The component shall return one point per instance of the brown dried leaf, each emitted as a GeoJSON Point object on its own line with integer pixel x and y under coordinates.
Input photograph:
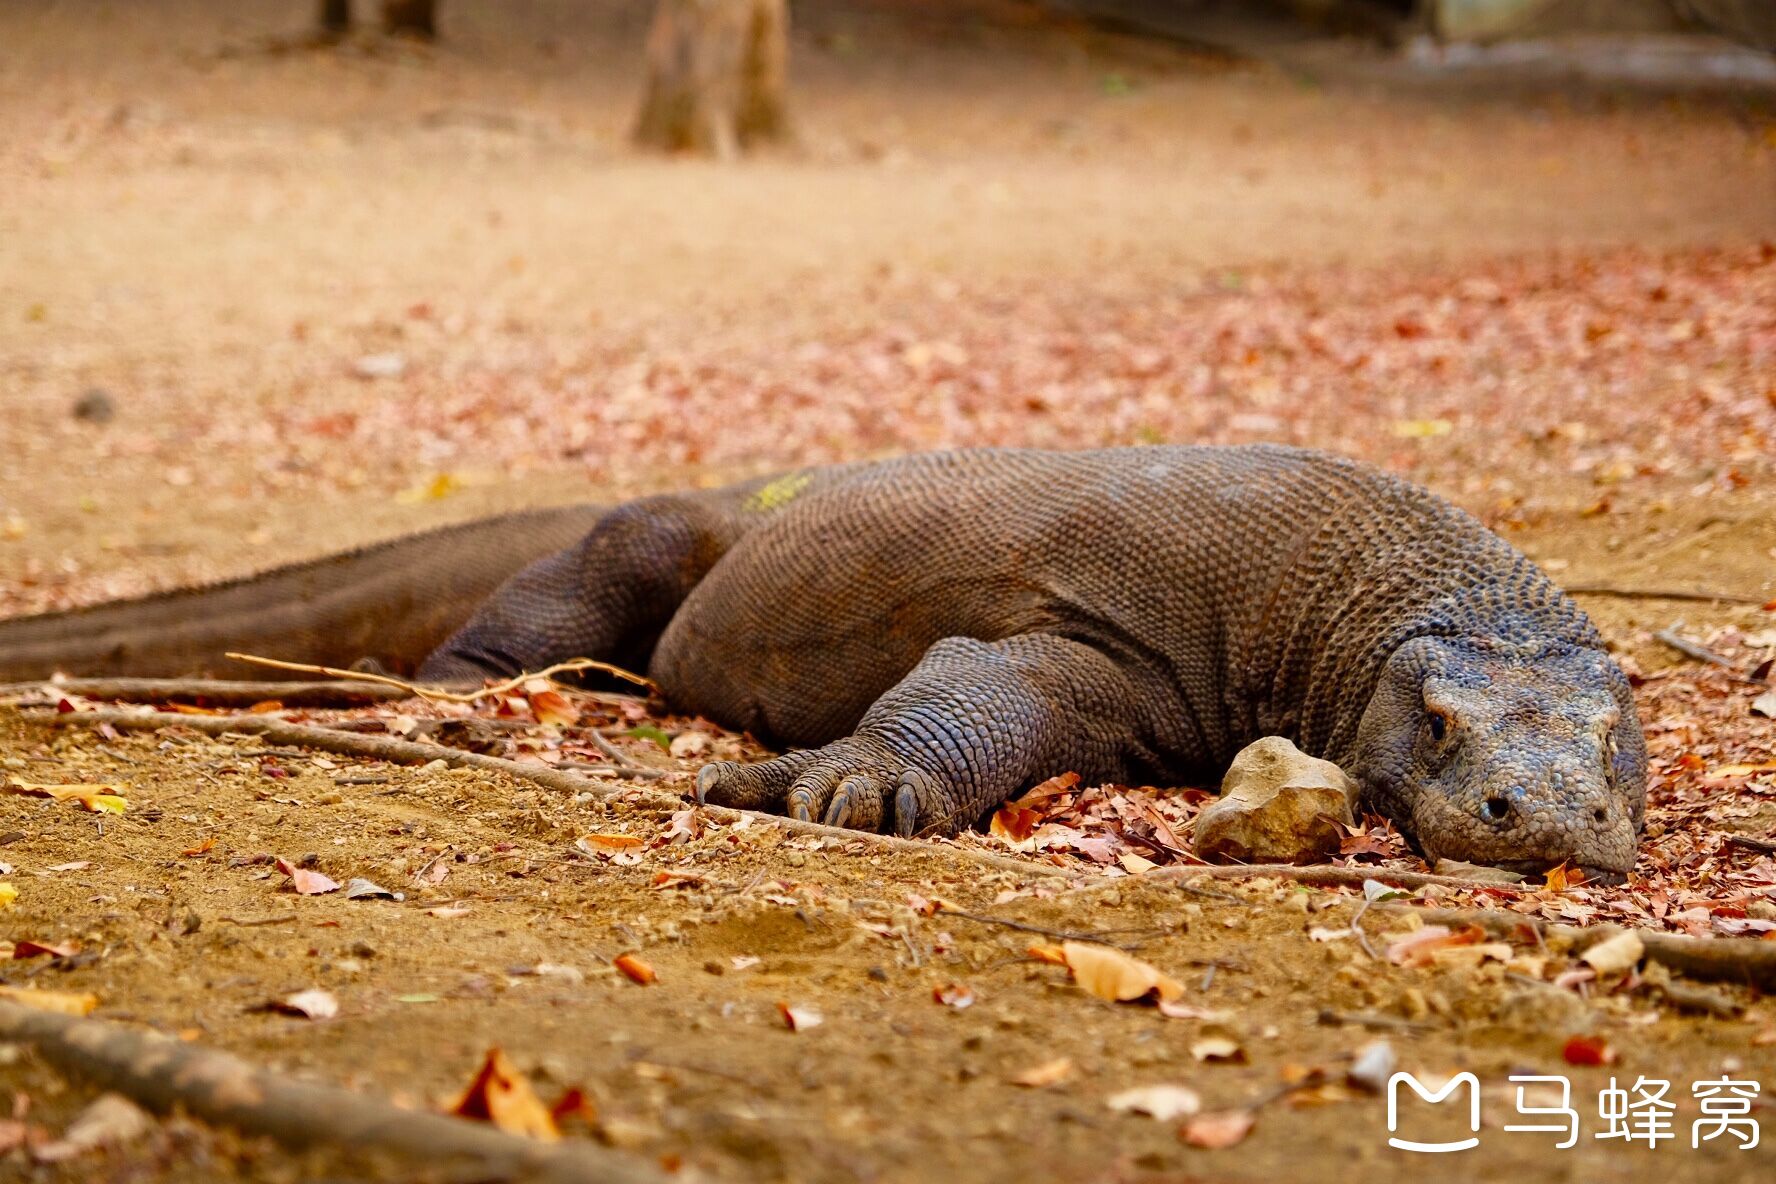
{"type": "Point", "coordinates": [499, 1094]}
{"type": "Point", "coordinates": [1112, 974]}
{"type": "Point", "coordinates": [637, 970]}
{"type": "Point", "coordinates": [1046, 1074]}
{"type": "Point", "coordinates": [1218, 1129]}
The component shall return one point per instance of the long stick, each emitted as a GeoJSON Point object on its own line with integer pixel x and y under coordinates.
{"type": "Point", "coordinates": [1744, 960]}
{"type": "Point", "coordinates": [414, 752]}
{"type": "Point", "coordinates": [218, 692]}
{"type": "Point", "coordinates": [444, 694]}
{"type": "Point", "coordinates": [1661, 594]}
{"type": "Point", "coordinates": [163, 1074]}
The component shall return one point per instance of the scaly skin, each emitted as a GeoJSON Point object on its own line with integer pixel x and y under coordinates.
{"type": "Point", "coordinates": [933, 634]}
{"type": "Point", "coordinates": [938, 632]}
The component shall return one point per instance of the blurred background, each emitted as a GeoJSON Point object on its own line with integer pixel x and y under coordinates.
{"type": "Point", "coordinates": [278, 277]}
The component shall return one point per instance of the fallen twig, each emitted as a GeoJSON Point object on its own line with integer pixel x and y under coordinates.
{"type": "Point", "coordinates": [1025, 927]}
{"type": "Point", "coordinates": [163, 1075]}
{"type": "Point", "coordinates": [1320, 875]}
{"type": "Point", "coordinates": [218, 692]}
{"type": "Point", "coordinates": [443, 694]}
{"type": "Point", "coordinates": [637, 772]}
{"type": "Point", "coordinates": [1752, 844]}
{"type": "Point", "coordinates": [1701, 653]}
{"type": "Point", "coordinates": [1744, 960]}
{"type": "Point", "coordinates": [415, 752]}
{"type": "Point", "coordinates": [1661, 594]}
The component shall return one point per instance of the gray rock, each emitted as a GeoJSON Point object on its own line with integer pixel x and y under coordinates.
{"type": "Point", "coordinates": [1277, 805]}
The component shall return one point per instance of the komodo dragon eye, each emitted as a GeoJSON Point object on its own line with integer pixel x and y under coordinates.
{"type": "Point", "coordinates": [1439, 725]}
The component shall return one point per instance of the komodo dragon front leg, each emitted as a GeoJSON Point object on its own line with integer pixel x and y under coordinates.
{"type": "Point", "coordinates": [972, 724]}
{"type": "Point", "coordinates": [607, 597]}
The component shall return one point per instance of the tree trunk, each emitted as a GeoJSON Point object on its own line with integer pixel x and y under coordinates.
{"type": "Point", "coordinates": [411, 18]}
{"type": "Point", "coordinates": [336, 17]}
{"type": "Point", "coordinates": [716, 74]}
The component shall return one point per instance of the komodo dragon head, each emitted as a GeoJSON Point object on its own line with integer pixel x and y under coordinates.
{"type": "Point", "coordinates": [1522, 756]}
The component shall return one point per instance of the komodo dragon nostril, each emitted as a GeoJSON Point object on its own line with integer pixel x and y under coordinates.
{"type": "Point", "coordinates": [1496, 809]}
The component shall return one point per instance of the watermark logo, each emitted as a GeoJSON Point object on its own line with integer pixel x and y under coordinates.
{"type": "Point", "coordinates": [1644, 1112]}
{"type": "Point", "coordinates": [1433, 1097]}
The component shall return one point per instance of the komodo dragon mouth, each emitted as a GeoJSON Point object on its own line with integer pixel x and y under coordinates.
{"type": "Point", "coordinates": [934, 633]}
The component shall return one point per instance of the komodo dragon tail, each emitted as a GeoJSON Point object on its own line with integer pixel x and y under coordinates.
{"type": "Point", "coordinates": [393, 602]}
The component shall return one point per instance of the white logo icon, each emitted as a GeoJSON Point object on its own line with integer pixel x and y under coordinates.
{"type": "Point", "coordinates": [1433, 1097]}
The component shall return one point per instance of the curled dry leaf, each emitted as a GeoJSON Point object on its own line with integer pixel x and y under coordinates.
{"type": "Point", "coordinates": [1588, 1050]}
{"type": "Point", "coordinates": [1046, 1074]}
{"type": "Point", "coordinates": [110, 1121]}
{"type": "Point", "coordinates": [1221, 1049]}
{"type": "Point", "coordinates": [499, 1094]}
{"type": "Point", "coordinates": [1164, 1102]}
{"type": "Point", "coordinates": [1112, 974]}
{"type": "Point", "coordinates": [595, 843]}
{"type": "Point", "coordinates": [1419, 948]}
{"type": "Point", "coordinates": [552, 707]}
{"type": "Point", "coordinates": [1614, 954]}
{"type": "Point", "coordinates": [62, 1002]}
{"type": "Point", "coordinates": [1053, 955]}
{"type": "Point", "coordinates": [313, 1004]}
{"type": "Point", "coordinates": [306, 882]}
{"type": "Point", "coordinates": [635, 969]}
{"type": "Point", "coordinates": [8, 894]}
{"type": "Point", "coordinates": [99, 798]}
{"type": "Point", "coordinates": [954, 995]}
{"type": "Point", "coordinates": [26, 948]}
{"type": "Point", "coordinates": [1219, 1129]}
{"type": "Point", "coordinates": [208, 844]}
{"type": "Point", "coordinates": [798, 1019]}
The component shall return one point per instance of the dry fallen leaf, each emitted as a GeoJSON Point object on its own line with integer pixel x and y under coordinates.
{"type": "Point", "coordinates": [208, 844]}
{"type": "Point", "coordinates": [552, 707]}
{"type": "Point", "coordinates": [798, 1019]}
{"type": "Point", "coordinates": [954, 995]}
{"type": "Point", "coordinates": [1112, 974]}
{"type": "Point", "coordinates": [62, 1002]}
{"type": "Point", "coordinates": [635, 969]}
{"type": "Point", "coordinates": [111, 1120]}
{"type": "Point", "coordinates": [305, 881]}
{"type": "Point", "coordinates": [1053, 955]}
{"type": "Point", "coordinates": [594, 843]}
{"type": "Point", "coordinates": [499, 1094]}
{"type": "Point", "coordinates": [1218, 1129]}
{"type": "Point", "coordinates": [1218, 1048]}
{"type": "Point", "coordinates": [1046, 1074]}
{"type": "Point", "coordinates": [1164, 1102]}
{"type": "Point", "coordinates": [103, 798]}
{"type": "Point", "coordinates": [1588, 1050]}
{"type": "Point", "coordinates": [8, 894]}
{"type": "Point", "coordinates": [1419, 947]}
{"type": "Point", "coordinates": [1613, 954]}
{"type": "Point", "coordinates": [313, 1004]}
{"type": "Point", "coordinates": [26, 948]}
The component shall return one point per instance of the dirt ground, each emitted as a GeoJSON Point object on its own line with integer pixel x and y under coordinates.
{"type": "Point", "coordinates": [333, 295]}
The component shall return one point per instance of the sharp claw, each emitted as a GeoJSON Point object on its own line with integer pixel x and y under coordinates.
{"type": "Point", "coordinates": [838, 812]}
{"type": "Point", "coordinates": [906, 810]}
{"type": "Point", "coordinates": [801, 805]}
{"type": "Point", "coordinates": [707, 776]}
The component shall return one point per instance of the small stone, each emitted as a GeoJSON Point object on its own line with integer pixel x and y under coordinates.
{"type": "Point", "coordinates": [1277, 805]}
{"type": "Point", "coordinates": [390, 365]}
{"type": "Point", "coordinates": [1372, 1066]}
{"type": "Point", "coordinates": [95, 405]}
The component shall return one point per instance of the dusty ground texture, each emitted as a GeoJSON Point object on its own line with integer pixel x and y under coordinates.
{"type": "Point", "coordinates": [330, 296]}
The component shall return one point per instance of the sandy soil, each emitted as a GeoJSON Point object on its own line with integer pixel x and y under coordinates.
{"type": "Point", "coordinates": [225, 237]}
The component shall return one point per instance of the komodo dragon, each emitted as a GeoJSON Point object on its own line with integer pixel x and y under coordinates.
{"type": "Point", "coordinates": [930, 635]}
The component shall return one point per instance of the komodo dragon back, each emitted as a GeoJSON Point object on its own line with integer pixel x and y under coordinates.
{"type": "Point", "coordinates": [391, 602]}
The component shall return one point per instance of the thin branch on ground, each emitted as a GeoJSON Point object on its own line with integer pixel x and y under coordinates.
{"type": "Point", "coordinates": [1745, 960]}
{"type": "Point", "coordinates": [444, 694]}
{"type": "Point", "coordinates": [164, 1075]}
{"type": "Point", "coordinates": [1687, 594]}
{"type": "Point", "coordinates": [1688, 648]}
{"type": "Point", "coordinates": [1765, 846]}
{"type": "Point", "coordinates": [415, 752]}
{"type": "Point", "coordinates": [218, 692]}
{"type": "Point", "coordinates": [1103, 938]}
{"type": "Point", "coordinates": [637, 772]}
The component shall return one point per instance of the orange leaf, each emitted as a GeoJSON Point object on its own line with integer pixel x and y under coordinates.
{"type": "Point", "coordinates": [1053, 955]}
{"type": "Point", "coordinates": [26, 948]}
{"type": "Point", "coordinates": [1053, 787]}
{"type": "Point", "coordinates": [63, 1002]}
{"type": "Point", "coordinates": [1588, 1050]}
{"type": "Point", "coordinates": [1419, 947]}
{"type": "Point", "coordinates": [798, 1019]}
{"type": "Point", "coordinates": [308, 883]}
{"type": "Point", "coordinates": [208, 844]}
{"type": "Point", "coordinates": [1112, 974]}
{"type": "Point", "coordinates": [611, 842]}
{"type": "Point", "coordinates": [499, 1094]}
{"type": "Point", "coordinates": [954, 995]}
{"type": "Point", "coordinates": [552, 707]}
{"type": "Point", "coordinates": [1013, 823]}
{"type": "Point", "coordinates": [266, 707]}
{"type": "Point", "coordinates": [637, 970]}
{"type": "Point", "coordinates": [575, 1104]}
{"type": "Point", "coordinates": [1218, 1129]}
